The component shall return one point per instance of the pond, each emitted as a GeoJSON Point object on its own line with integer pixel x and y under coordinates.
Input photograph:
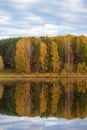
{"type": "Point", "coordinates": [43, 104]}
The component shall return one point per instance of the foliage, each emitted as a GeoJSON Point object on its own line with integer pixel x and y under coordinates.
{"type": "Point", "coordinates": [36, 67]}
{"type": "Point", "coordinates": [55, 63]}
{"type": "Point", "coordinates": [57, 98]}
{"type": "Point", "coordinates": [22, 56]}
{"type": "Point", "coordinates": [68, 68]}
{"type": "Point", "coordinates": [1, 64]}
{"type": "Point", "coordinates": [45, 54]}
{"type": "Point", "coordinates": [7, 51]}
{"type": "Point", "coordinates": [81, 68]}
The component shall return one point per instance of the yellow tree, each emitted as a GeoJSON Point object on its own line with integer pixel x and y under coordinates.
{"type": "Point", "coordinates": [43, 56]}
{"type": "Point", "coordinates": [55, 91]}
{"type": "Point", "coordinates": [55, 62]}
{"type": "Point", "coordinates": [1, 63]}
{"type": "Point", "coordinates": [43, 99]}
{"type": "Point", "coordinates": [23, 55]}
{"type": "Point", "coordinates": [1, 90]}
{"type": "Point", "coordinates": [68, 67]}
{"type": "Point", "coordinates": [23, 99]}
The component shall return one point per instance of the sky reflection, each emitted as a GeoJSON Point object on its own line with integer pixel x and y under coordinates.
{"type": "Point", "coordinates": [37, 123]}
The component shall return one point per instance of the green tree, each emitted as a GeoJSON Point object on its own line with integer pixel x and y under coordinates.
{"type": "Point", "coordinates": [36, 54]}
{"type": "Point", "coordinates": [7, 50]}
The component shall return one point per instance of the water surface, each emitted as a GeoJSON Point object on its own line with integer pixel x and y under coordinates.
{"type": "Point", "coordinates": [43, 104]}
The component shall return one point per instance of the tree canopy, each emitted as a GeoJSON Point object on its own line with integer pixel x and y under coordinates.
{"type": "Point", "coordinates": [45, 54]}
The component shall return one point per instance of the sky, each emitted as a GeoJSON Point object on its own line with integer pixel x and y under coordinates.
{"type": "Point", "coordinates": [42, 17]}
{"type": "Point", "coordinates": [37, 123]}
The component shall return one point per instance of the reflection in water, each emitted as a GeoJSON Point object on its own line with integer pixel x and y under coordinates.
{"type": "Point", "coordinates": [37, 123]}
{"type": "Point", "coordinates": [45, 99]}
{"type": "Point", "coordinates": [60, 99]}
{"type": "Point", "coordinates": [23, 99]}
{"type": "Point", "coordinates": [1, 90]}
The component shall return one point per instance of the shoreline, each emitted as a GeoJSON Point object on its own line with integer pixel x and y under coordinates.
{"type": "Point", "coordinates": [40, 75]}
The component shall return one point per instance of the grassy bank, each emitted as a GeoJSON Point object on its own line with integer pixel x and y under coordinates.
{"type": "Point", "coordinates": [39, 75]}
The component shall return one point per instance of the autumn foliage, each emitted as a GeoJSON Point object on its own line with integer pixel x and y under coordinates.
{"type": "Point", "coordinates": [1, 64]}
{"type": "Point", "coordinates": [66, 54]}
{"type": "Point", "coordinates": [22, 58]}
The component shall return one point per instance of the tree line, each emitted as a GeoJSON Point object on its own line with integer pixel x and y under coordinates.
{"type": "Point", "coordinates": [60, 54]}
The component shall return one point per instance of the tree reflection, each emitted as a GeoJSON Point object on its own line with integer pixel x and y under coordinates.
{"type": "Point", "coordinates": [59, 98]}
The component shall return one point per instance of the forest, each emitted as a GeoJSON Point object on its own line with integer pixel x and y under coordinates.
{"type": "Point", "coordinates": [59, 54]}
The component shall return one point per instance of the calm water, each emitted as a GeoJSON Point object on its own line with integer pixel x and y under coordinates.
{"type": "Point", "coordinates": [43, 105]}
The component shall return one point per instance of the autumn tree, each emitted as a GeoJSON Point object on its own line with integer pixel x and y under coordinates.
{"type": "Point", "coordinates": [23, 55]}
{"type": "Point", "coordinates": [74, 52]}
{"type": "Point", "coordinates": [68, 67]}
{"type": "Point", "coordinates": [43, 99]}
{"type": "Point", "coordinates": [55, 97]}
{"type": "Point", "coordinates": [55, 61]}
{"type": "Point", "coordinates": [36, 54]}
{"type": "Point", "coordinates": [81, 53]}
{"type": "Point", "coordinates": [43, 56]}
{"type": "Point", "coordinates": [1, 63]}
{"type": "Point", "coordinates": [60, 41]}
{"type": "Point", "coordinates": [23, 99]}
{"type": "Point", "coordinates": [1, 90]}
{"type": "Point", "coordinates": [81, 68]}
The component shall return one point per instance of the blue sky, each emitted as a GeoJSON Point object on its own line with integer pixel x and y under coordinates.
{"type": "Point", "coordinates": [42, 17]}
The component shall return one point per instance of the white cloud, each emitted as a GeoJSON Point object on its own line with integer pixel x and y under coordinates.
{"type": "Point", "coordinates": [34, 31]}
{"type": "Point", "coordinates": [73, 6]}
{"type": "Point", "coordinates": [37, 17]}
{"type": "Point", "coordinates": [4, 37]}
{"type": "Point", "coordinates": [4, 18]}
{"type": "Point", "coordinates": [37, 123]}
{"type": "Point", "coordinates": [69, 17]}
{"type": "Point", "coordinates": [70, 4]}
{"type": "Point", "coordinates": [38, 30]}
{"type": "Point", "coordinates": [22, 4]}
{"type": "Point", "coordinates": [33, 18]}
{"type": "Point", "coordinates": [51, 26]}
{"type": "Point", "coordinates": [24, 1]}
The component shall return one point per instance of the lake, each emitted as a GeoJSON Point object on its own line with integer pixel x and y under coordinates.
{"type": "Point", "coordinates": [43, 104]}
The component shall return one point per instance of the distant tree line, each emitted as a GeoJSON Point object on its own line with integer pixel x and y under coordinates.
{"type": "Point", "coordinates": [66, 54]}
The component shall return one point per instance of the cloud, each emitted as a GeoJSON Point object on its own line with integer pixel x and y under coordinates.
{"type": "Point", "coordinates": [37, 123]}
{"type": "Point", "coordinates": [37, 17]}
{"type": "Point", "coordinates": [23, 1]}
{"type": "Point", "coordinates": [33, 18]}
{"type": "Point", "coordinates": [22, 4]}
